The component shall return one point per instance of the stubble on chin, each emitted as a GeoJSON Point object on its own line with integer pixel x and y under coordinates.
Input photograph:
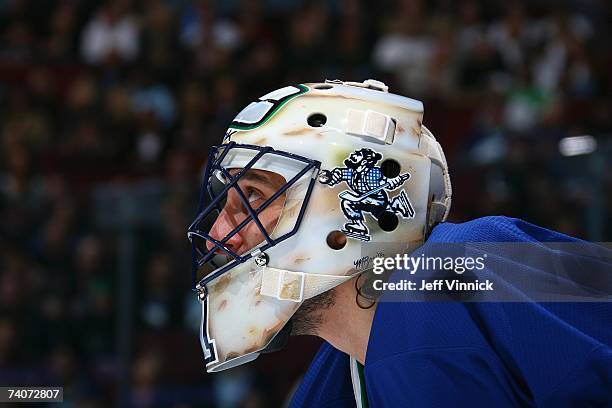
{"type": "Point", "coordinates": [309, 317]}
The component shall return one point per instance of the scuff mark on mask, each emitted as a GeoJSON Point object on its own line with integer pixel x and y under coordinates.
{"type": "Point", "coordinates": [290, 290]}
{"type": "Point", "coordinates": [222, 283]}
{"type": "Point", "coordinates": [301, 260]}
{"type": "Point", "coordinates": [298, 132]}
{"type": "Point", "coordinates": [268, 333]}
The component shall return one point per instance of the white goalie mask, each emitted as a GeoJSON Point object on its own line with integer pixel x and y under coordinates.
{"type": "Point", "coordinates": [309, 181]}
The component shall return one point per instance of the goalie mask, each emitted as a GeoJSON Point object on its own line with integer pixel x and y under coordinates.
{"type": "Point", "coordinates": [309, 181]}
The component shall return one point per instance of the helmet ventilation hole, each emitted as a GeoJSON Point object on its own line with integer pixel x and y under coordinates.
{"type": "Point", "coordinates": [390, 168]}
{"type": "Point", "coordinates": [323, 86]}
{"type": "Point", "coordinates": [317, 120]}
{"type": "Point", "coordinates": [388, 221]}
{"type": "Point", "coordinates": [336, 240]}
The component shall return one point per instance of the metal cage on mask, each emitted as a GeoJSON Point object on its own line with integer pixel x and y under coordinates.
{"type": "Point", "coordinates": [212, 202]}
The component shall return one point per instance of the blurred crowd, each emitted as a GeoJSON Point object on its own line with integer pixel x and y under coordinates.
{"type": "Point", "coordinates": [104, 103]}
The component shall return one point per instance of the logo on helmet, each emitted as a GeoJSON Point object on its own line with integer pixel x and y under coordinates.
{"type": "Point", "coordinates": [368, 193]}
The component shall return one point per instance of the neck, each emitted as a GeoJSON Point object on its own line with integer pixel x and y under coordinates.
{"type": "Point", "coordinates": [345, 325]}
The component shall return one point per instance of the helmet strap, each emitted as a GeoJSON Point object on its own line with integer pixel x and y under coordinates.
{"type": "Point", "coordinates": [297, 286]}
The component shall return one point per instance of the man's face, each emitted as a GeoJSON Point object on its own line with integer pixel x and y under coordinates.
{"type": "Point", "coordinates": [257, 186]}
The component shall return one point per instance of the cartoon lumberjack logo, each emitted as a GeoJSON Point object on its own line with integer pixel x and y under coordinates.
{"type": "Point", "coordinates": [369, 187]}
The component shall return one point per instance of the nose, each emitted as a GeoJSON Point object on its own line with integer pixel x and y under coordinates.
{"type": "Point", "coordinates": [224, 224]}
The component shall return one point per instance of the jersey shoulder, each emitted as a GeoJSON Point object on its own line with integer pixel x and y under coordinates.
{"type": "Point", "coordinates": [496, 229]}
{"type": "Point", "coordinates": [327, 383]}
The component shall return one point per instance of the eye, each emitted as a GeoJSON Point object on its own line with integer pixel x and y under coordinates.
{"type": "Point", "coordinates": [253, 195]}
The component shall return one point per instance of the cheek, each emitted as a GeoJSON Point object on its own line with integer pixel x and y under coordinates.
{"type": "Point", "coordinates": [268, 218]}
{"type": "Point", "coordinates": [251, 235]}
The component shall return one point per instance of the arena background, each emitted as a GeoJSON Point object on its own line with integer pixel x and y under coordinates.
{"type": "Point", "coordinates": [107, 109]}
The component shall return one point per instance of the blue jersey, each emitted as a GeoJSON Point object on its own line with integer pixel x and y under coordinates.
{"type": "Point", "coordinates": [436, 354]}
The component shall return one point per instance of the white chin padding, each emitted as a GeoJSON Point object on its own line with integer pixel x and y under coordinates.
{"type": "Point", "coordinates": [297, 286]}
